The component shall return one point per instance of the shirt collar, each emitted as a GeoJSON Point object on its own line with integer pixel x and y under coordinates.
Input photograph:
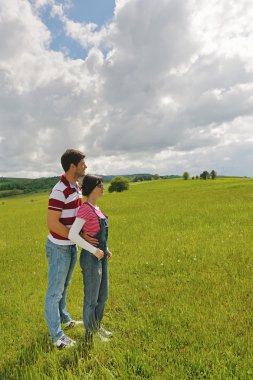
{"type": "Point", "coordinates": [67, 183]}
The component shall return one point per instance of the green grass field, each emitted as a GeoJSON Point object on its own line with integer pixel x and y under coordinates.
{"type": "Point", "coordinates": [181, 286]}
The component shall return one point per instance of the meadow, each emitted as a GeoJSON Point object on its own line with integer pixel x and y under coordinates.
{"type": "Point", "coordinates": [181, 286]}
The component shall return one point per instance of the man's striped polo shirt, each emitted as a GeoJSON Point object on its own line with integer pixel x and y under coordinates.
{"type": "Point", "coordinates": [67, 199]}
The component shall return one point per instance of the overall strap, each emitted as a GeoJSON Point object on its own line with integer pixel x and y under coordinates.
{"type": "Point", "coordinates": [93, 209]}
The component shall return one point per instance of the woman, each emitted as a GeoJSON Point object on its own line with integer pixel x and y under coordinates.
{"type": "Point", "coordinates": [93, 260]}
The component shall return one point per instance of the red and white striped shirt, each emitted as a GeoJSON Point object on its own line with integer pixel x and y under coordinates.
{"type": "Point", "coordinates": [66, 198]}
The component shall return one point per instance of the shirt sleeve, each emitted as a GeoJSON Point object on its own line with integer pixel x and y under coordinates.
{"type": "Point", "coordinates": [56, 200]}
{"type": "Point", "coordinates": [84, 212]}
{"type": "Point", "coordinates": [77, 239]}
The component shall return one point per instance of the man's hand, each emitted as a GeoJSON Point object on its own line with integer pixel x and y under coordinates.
{"type": "Point", "coordinates": [109, 255]}
{"type": "Point", "coordinates": [54, 224]}
{"type": "Point", "coordinates": [89, 239]}
{"type": "Point", "coordinates": [99, 254]}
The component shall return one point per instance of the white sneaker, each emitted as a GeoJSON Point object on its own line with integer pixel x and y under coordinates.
{"type": "Point", "coordinates": [64, 342]}
{"type": "Point", "coordinates": [105, 333]}
{"type": "Point", "coordinates": [102, 338]}
{"type": "Point", "coordinates": [71, 324]}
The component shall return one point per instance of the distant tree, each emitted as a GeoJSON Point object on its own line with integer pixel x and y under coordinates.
{"type": "Point", "coordinates": [193, 177]}
{"type": "Point", "coordinates": [147, 177]}
{"type": "Point", "coordinates": [119, 184]}
{"type": "Point", "coordinates": [137, 178]}
{"type": "Point", "coordinates": [204, 175]}
{"type": "Point", "coordinates": [213, 174]}
{"type": "Point", "coordinates": [144, 177]}
{"type": "Point", "coordinates": [197, 177]}
{"type": "Point", "coordinates": [186, 175]}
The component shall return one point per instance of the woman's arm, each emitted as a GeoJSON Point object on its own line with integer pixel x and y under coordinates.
{"type": "Point", "coordinates": [109, 255]}
{"type": "Point", "coordinates": [77, 239]}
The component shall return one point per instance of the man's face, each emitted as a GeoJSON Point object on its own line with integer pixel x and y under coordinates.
{"type": "Point", "coordinates": [80, 169]}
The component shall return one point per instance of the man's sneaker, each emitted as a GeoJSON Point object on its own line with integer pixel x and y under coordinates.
{"type": "Point", "coordinates": [64, 342]}
{"type": "Point", "coordinates": [104, 333]}
{"type": "Point", "coordinates": [71, 324]}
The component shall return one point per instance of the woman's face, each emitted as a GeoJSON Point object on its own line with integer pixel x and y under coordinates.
{"type": "Point", "coordinates": [99, 190]}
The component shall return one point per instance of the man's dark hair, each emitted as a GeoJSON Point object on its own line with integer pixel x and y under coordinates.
{"type": "Point", "coordinates": [71, 156]}
{"type": "Point", "coordinates": [89, 183]}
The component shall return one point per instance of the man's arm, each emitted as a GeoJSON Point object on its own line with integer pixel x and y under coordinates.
{"type": "Point", "coordinates": [54, 224]}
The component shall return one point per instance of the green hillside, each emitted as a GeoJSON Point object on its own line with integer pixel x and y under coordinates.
{"type": "Point", "coordinates": [17, 186]}
{"type": "Point", "coordinates": [180, 299]}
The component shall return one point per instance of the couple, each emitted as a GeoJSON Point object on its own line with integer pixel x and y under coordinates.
{"type": "Point", "coordinates": [68, 216]}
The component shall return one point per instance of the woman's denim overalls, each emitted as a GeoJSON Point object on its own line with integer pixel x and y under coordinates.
{"type": "Point", "coordinates": [95, 279]}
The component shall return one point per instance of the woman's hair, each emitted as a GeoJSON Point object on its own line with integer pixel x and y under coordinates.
{"type": "Point", "coordinates": [89, 183]}
{"type": "Point", "coordinates": [71, 156]}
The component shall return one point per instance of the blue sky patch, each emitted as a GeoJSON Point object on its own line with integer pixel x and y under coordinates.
{"type": "Point", "coordinates": [82, 11]}
{"type": "Point", "coordinates": [96, 11]}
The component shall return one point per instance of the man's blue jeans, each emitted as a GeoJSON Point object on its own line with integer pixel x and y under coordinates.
{"type": "Point", "coordinates": [61, 262]}
{"type": "Point", "coordinates": [96, 282]}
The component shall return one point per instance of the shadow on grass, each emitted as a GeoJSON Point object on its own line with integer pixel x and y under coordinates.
{"type": "Point", "coordinates": [31, 355]}
{"type": "Point", "coordinates": [27, 356]}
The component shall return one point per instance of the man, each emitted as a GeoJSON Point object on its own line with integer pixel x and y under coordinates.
{"type": "Point", "coordinates": [64, 202]}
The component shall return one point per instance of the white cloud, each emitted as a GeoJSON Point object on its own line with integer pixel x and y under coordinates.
{"type": "Point", "coordinates": [166, 86]}
{"type": "Point", "coordinates": [88, 35]}
{"type": "Point", "coordinates": [38, 4]}
{"type": "Point", "coordinates": [224, 27]}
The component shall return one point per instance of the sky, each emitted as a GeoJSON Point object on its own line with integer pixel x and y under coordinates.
{"type": "Point", "coordinates": [140, 86]}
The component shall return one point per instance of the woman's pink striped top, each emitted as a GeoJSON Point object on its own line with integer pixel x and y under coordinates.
{"type": "Point", "coordinates": [85, 212]}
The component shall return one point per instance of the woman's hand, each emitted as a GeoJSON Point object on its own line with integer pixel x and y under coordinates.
{"type": "Point", "coordinates": [109, 255]}
{"type": "Point", "coordinates": [99, 254]}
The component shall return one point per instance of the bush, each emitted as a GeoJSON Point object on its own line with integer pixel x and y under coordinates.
{"type": "Point", "coordinates": [205, 175]}
{"type": "Point", "coordinates": [213, 174]}
{"type": "Point", "coordinates": [186, 175]}
{"type": "Point", "coordinates": [119, 184]}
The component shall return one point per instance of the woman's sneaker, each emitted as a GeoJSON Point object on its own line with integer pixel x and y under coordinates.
{"type": "Point", "coordinates": [64, 342]}
{"type": "Point", "coordinates": [104, 333]}
{"type": "Point", "coordinates": [71, 324]}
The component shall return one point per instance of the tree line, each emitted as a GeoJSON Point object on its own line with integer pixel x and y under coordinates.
{"type": "Point", "coordinates": [204, 175]}
{"type": "Point", "coordinates": [17, 186]}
